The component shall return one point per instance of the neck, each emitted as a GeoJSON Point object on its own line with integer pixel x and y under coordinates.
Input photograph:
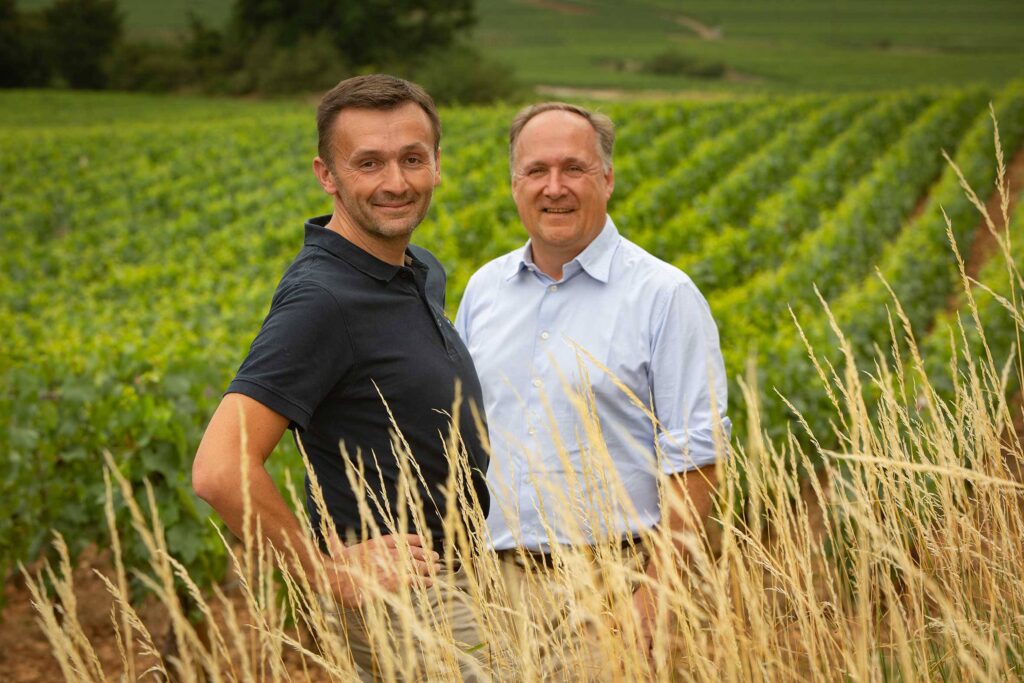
{"type": "Point", "coordinates": [550, 262]}
{"type": "Point", "coordinates": [389, 250]}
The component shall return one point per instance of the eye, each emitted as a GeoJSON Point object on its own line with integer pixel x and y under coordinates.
{"type": "Point", "coordinates": [414, 160]}
{"type": "Point", "coordinates": [536, 172]}
{"type": "Point", "coordinates": [367, 164]}
{"type": "Point", "coordinates": [575, 170]}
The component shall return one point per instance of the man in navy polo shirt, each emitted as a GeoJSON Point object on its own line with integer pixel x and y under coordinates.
{"type": "Point", "coordinates": [357, 321]}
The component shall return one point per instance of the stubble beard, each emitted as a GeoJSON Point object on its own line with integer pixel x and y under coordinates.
{"type": "Point", "coordinates": [389, 229]}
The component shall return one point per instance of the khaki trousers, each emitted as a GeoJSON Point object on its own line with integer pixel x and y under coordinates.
{"type": "Point", "coordinates": [573, 646]}
{"type": "Point", "coordinates": [439, 641]}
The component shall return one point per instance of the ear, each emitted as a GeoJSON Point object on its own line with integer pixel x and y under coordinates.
{"type": "Point", "coordinates": [609, 179]}
{"type": "Point", "coordinates": [437, 167]}
{"type": "Point", "coordinates": [514, 183]}
{"type": "Point", "coordinates": [324, 176]}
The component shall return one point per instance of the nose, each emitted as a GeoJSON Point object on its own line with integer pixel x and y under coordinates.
{"type": "Point", "coordinates": [394, 181]}
{"type": "Point", "coordinates": [554, 187]}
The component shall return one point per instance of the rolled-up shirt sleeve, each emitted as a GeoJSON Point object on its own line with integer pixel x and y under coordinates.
{"type": "Point", "coordinates": [688, 382]}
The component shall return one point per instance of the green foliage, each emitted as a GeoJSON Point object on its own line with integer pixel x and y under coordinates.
{"type": "Point", "coordinates": [737, 250]}
{"type": "Point", "coordinates": [24, 61]}
{"type": "Point", "coordinates": [459, 74]}
{"type": "Point", "coordinates": [675, 63]}
{"type": "Point", "coordinates": [148, 67]}
{"type": "Point", "coordinates": [794, 46]}
{"type": "Point", "coordinates": [269, 47]}
{"type": "Point", "coordinates": [81, 35]}
{"type": "Point", "coordinates": [54, 109]}
{"type": "Point", "coordinates": [364, 33]}
{"type": "Point", "coordinates": [649, 211]}
{"type": "Point", "coordinates": [141, 240]}
{"type": "Point", "coordinates": [313, 64]}
{"type": "Point", "coordinates": [801, 45]}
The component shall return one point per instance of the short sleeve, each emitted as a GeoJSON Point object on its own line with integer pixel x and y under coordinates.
{"type": "Point", "coordinates": [301, 352]}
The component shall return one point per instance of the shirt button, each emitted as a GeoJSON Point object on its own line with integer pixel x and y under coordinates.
{"type": "Point", "coordinates": [553, 288]}
{"type": "Point", "coordinates": [531, 431]}
{"type": "Point", "coordinates": [544, 335]}
{"type": "Point", "coordinates": [536, 382]}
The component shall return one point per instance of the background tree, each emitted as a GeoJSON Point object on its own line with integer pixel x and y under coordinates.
{"type": "Point", "coordinates": [371, 32]}
{"type": "Point", "coordinates": [24, 61]}
{"type": "Point", "coordinates": [82, 35]}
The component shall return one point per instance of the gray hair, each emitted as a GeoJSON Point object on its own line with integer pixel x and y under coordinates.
{"type": "Point", "coordinates": [601, 124]}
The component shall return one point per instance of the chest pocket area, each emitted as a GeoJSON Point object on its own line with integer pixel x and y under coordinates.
{"type": "Point", "coordinates": [590, 396]}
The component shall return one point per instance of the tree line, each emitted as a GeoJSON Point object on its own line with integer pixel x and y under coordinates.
{"type": "Point", "coordinates": [267, 47]}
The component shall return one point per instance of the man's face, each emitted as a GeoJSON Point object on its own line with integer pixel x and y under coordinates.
{"type": "Point", "coordinates": [384, 169]}
{"type": "Point", "coordinates": [559, 185]}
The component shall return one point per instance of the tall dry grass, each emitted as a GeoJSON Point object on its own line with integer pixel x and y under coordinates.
{"type": "Point", "coordinates": [899, 556]}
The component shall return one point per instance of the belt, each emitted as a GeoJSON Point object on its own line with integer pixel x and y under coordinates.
{"type": "Point", "coordinates": [547, 559]}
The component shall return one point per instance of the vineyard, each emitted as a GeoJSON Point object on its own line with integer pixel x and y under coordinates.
{"type": "Point", "coordinates": [138, 260]}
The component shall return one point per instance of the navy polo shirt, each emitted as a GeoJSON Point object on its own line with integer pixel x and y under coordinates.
{"type": "Point", "coordinates": [346, 330]}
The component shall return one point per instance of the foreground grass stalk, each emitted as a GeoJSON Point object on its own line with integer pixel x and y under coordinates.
{"type": "Point", "coordinates": [892, 553]}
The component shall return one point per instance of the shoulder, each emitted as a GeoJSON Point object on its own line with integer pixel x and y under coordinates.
{"type": "Point", "coordinates": [659, 288]}
{"type": "Point", "coordinates": [302, 305]}
{"type": "Point", "coordinates": [315, 275]}
{"type": "Point", "coordinates": [437, 279]}
{"type": "Point", "coordinates": [637, 267]}
{"type": "Point", "coordinates": [496, 271]}
{"type": "Point", "coordinates": [311, 281]}
{"type": "Point", "coordinates": [424, 255]}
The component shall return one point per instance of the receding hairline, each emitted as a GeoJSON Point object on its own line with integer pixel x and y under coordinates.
{"type": "Point", "coordinates": [602, 125]}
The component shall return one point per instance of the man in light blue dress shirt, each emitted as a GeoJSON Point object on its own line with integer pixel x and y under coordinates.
{"type": "Point", "coordinates": [553, 325]}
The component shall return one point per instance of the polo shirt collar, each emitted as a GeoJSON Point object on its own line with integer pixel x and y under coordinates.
{"type": "Point", "coordinates": [319, 235]}
{"type": "Point", "coordinates": [595, 260]}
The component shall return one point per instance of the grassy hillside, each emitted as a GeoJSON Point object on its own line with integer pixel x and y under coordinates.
{"type": "Point", "coordinates": [793, 45]}
{"type": "Point", "coordinates": [57, 109]}
{"type": "Point", "coordinates": [788, 46]}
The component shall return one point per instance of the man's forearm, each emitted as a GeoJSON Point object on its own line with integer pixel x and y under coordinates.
{"type": "Point", "coordinates": [237, 443]}
{"type": "Point", "coordinates": [686, 503]}
{"type": "Point", "coordinates": [269, 513]}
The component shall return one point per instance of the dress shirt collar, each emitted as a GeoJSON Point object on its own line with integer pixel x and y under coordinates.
{"type": "Point", "coordinates": [596, 259]}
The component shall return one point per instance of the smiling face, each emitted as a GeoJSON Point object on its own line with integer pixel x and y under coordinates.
{"type": "Point", "coordinates": [383, 173]}
{"type": "Point", "coordinates": [559, 185]}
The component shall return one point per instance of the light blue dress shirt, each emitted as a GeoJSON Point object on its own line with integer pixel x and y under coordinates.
{"type": "Point", "coordinates": [647, 323]}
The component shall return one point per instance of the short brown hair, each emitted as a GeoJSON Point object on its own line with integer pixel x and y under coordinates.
{"type": "Point", "coordinates": [374, 91]}
{"type": "Point", "coordinates": [601, 124]}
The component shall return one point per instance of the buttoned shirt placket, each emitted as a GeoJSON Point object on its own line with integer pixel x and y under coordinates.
{"type": "Point", "coordinates": [545, 332]}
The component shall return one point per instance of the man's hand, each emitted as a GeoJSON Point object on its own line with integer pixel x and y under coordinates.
{"type": "Point", "coordinates": [645, 610]}
{"type": "Point", "coordinates": [686, 503]}
{"type": "Point", "coordinates": [386, 563]}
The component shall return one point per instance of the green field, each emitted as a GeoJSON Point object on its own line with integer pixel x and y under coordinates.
{"type": "Point", "coordinates": [793, 45]}
{"type": "Point", "coordinates": [142, 238]}
{"type": "Point", "coordinates": [786, 46]}
{"type": "Point", "coordinates": [57, 109]}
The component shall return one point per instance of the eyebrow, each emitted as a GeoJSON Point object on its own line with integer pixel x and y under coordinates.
{"type": "Point", "coordinates": [569, 160]}
{"type": "Point", "coordinates": [413, 147]}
